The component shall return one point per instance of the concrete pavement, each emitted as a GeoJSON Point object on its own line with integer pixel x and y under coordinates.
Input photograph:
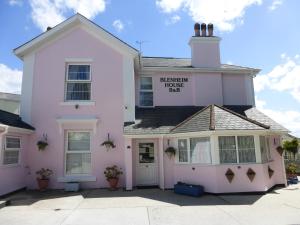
{"type": "Point", "coordinates": [151, 207]}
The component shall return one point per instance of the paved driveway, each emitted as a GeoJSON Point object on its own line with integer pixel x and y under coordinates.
{"type": "Point", "coordinates": [151, 207]}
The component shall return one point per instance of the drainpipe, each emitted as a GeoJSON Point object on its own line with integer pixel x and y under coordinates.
{"type": "Point", "coordinates": [2, 134]}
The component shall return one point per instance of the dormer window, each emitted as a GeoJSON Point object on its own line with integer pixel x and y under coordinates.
{"type": "Point", "coordinates": [146, 92]}
{"type": "Point", "coordinates": [78, 83]}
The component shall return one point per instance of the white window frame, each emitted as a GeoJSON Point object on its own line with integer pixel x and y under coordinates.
{"type": "Point", "coordinates": [237, 149]}
{"type": "Point", "coordinates": [6, 149]}
{"type": "Point", "coordinates": [79, 152]}
{"type": "Point", "coordinates": [146, 90]}
{"type": "Point", "coordinates": [77, 81]}
{"type": "Point", "coordinates": [189, 151]}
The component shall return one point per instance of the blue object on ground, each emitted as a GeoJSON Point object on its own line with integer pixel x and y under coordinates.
{"type": "Point", "coordinates": [188, 189]}
{"type": "Point", "coordinates": [293, 180]}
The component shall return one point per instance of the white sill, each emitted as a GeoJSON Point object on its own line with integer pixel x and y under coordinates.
{"type": "Point", "coordinates": [76, 178]}
{"type": "Point", "coordinates": [78, 103]}
{"type": "Point", "coordinates": [4, 166]}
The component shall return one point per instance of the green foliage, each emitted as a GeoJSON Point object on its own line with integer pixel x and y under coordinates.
{"type": "Point", "coordinates": [291, 168]}
{"type": "Point", "coordinates": [291, 146]}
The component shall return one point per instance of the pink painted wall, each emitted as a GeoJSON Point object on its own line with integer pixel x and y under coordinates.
{"type": "Point", "coordinates": [48, 93]}
{"type": "Point", "coordinates": [13, 177]}
{"type": "Point", "coordinates": [234, 89]}
{"type": "Point", "coordinates": [212, 177]}
{"type": "Point", "coordinates": [205, 54]}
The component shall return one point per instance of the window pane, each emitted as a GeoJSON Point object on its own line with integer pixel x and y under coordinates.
{"type": "Point", "coordinates": [268, 148]}
{"type": "Point", "coordinates": [227, 148]}
{"type": "Point", "coordinates": [10, 157]}
{"type": "Point", "coordinates": [246, 149]}
{"type": "Point", "coordinates": [146, 152]}
{"type": "Point", "coordinates": [78, 91]}
{"type": "Point", "coordinates": [200, 150]}
{"type": "Point", "coordinates": [79, 72]}
{"type": "Point", "coordinates": [78, 141]}
{"type": "Point", "coordinates": [78, 163]}
{"type": "Point", "coordinates": [263, 150]}
{"type": "Point", "coordinates": [146, 83]}
{"type": "Point", "coordinates": [12, 142]}
{"type": "Point", "coordinates": [183, 150]}
{"type": "Point", "coordinates": [146, 98]}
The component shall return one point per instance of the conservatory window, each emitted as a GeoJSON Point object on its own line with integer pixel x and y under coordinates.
{"type": "Point", "coordinates": [200, 150]}
{"type": "Point", "coordinates": [182, 150]}
{"type": "Point", "coordinates": [265, 148]}
{"type": "Point", "coordinates": [246, 149]}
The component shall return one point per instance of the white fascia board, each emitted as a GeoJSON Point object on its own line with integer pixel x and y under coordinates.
{"type": "Point", "coordinates": [11, 129]}
{"type": "Point", "coordinates": [75, 20]}
{"type": "Point", "coordinates": [251, 72]}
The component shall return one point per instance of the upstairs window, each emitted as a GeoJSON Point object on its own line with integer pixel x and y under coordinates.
{"type": "Point", "coordinates": [78, 83]}
{"type": "Point", "coordinates": [11, 150]}
{"type": "Point", "coordinates": [146, 91]}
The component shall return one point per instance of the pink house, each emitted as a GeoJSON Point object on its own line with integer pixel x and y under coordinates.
{"type": "Point", "coordinates": [82, 85]}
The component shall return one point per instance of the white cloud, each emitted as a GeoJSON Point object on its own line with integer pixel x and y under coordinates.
{"type": "Point", "coordinates": [51, 12]}
{"type": "Point", "coordinates": [290, 119]}
{"type": "Point", "coordinates": [15, 2]}
{"type": "Point", "coordinates": [284, 77]}
{"type": "Point", "coordinates": [224, 14]}
{"type": "Point", "coordinates": [275, 4]}
{"type": "Point", "coordinates": [118, 25]}
{"type": "Point", "coordinates": [11, 79]}
{"type": "Point", "coordinates": [174, 19]}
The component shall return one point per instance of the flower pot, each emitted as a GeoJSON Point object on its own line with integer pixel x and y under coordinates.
{"type": "Point", "coordinates": [113, 183]}
{"type": "Point", "coordinates": [43, 184]}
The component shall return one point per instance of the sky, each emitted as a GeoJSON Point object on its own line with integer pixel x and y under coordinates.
{"type": "Point", "coordinates": [261, 34]}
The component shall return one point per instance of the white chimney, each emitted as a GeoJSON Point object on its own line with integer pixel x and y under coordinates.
{"type": "Point", "coordinates": [205, 49]}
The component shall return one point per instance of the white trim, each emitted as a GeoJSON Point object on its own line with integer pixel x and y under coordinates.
{"type": "Point", "coordinates": [146, 90]}
{"type": "Point", "coordinates": [75, 120]}
{"type": "Point", "coordinates": [72, 103]}
{"type": "Point", "coordinates": [250, 72]}
{"type": "Point", "coordinates": [88, 25]}
{"type": "Point", "coordinates": [161, 163]}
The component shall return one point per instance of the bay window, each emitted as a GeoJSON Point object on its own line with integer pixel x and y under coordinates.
{"type": "Point", "coordinates": [78, 153]}
{"type": "Point", "coordinates": [11, 150]}
{"type": "Point", "coordinates": [78, 83]}
{"type": "Point", "coordinates": [146, 91]}
{"type": "Point", "coordinates": [265, 148]}
{"type": "Point", "coordinates": [194, 150]}
{"type": "Point", "coordinates": [237, 149]}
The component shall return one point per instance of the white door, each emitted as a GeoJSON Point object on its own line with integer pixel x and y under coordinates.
{"type": "Point", "coordinates": [147, 164]}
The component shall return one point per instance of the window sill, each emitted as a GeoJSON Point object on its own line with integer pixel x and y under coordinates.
{"type": "Point", "coordinates": [3, 166]}
{"type": "Point", "coordinates": [72, 103]}
{"type": "Point", "coordinates": [76, 178]}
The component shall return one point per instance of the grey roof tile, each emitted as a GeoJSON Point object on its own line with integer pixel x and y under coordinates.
{"type": "Point", "coordinates": [13, 120]}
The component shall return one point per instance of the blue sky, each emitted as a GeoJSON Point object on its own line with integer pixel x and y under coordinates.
{"type": "Point", "coordinates": [256, 33]}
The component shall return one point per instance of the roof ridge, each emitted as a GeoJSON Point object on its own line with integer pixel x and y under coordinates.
{"type": "Point", "coordinates": [190, 117]}
{"type": "Point", "coordinates": [244, 117]}
{"type": "Point", "coordinates": [212, 125]}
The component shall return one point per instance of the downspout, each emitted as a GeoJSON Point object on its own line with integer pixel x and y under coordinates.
{"type": "Point", "coordinates": [2, 134]}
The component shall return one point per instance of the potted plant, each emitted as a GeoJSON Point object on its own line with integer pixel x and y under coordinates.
{"type": "Point", "coordinates": [108, 143]}
{"type": "Point", "coordinates": [112, 176]}
{"type": "Point", "coordinates": [291, 170]}
{"type": "Point", "coordinates": [43, 143]}
{"type": "Point", "coordinates": [170, 151]}
{"type": "Point", "coordinates": [43, 178]}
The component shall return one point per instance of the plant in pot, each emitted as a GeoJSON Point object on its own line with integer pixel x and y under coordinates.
{"type": "Point", "coordinates": [108, 143]}
{"type": "Point", "coordinates": [112, 176]}
{"type": "Point", "coordinates": [43, 143]}
{"type": "Point", "coordinates": [170, 151]}
{"type": "Point", "coordinates": [43, 178]}
{"type": "Point", "coordinates": [291, 171]}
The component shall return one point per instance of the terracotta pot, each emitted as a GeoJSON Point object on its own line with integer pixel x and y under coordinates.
{"type": "Point", "coordinates": [43, 184]}
{"type": "Point", "coordinates": [113, 183]}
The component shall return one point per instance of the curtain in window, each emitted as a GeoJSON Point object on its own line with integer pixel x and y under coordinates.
{"type": "Point", "coordinates": [246, 149]}
{"type": "Point", "coordinates": [183, 150]}
{"type": "Point", "coordinates": [10, 157]}
{"type": "Point", "coordinates": [78, 141]}
{"type": "Point", "coordinates": [200, 150]}
{"type": "Point", "coordinates": [227, 147]}
{"type": "Point", "coordinates": [263, 150]}
{"type": "Point", "coordinates": [12, 142]}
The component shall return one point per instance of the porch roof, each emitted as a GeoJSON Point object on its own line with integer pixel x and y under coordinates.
{"type": "Point", "coordinates": [185, 119]}
{"type": "Point", "coordinates": [13, 120]}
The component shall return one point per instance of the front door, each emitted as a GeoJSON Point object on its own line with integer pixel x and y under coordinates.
{"type": "Point", "coordinates": [146, 166]}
